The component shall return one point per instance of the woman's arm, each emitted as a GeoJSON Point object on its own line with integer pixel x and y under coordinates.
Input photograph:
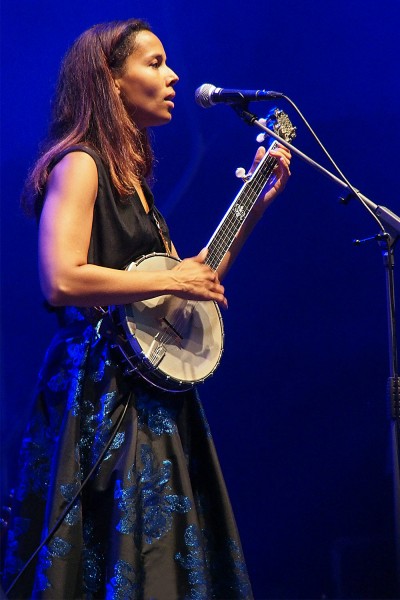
{"type": "Point", "coordinates": [64, 237]}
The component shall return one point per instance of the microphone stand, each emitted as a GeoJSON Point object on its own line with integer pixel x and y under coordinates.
{"type": "Point", "coordinates": [387, 238]}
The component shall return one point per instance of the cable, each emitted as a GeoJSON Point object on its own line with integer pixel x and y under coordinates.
{"type": "Point", "coordinates": [353, 190]}
{"type": "Point", "coordinates": [72, 502]}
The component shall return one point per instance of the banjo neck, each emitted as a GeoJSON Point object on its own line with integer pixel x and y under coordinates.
{"type": "Point", "coordinates": [224, 235]}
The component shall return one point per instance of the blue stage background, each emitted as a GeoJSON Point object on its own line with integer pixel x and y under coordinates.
{"type": "Point", "coordinates": [298, 406]}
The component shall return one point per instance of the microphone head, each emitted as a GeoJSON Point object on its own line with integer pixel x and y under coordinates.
{"type": "Point", "coordinates": [203, 95]}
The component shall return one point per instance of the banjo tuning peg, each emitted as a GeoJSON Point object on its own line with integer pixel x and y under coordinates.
{"type": "Point", "coordinates": [261, 136]}
{"type": "Point", "coordinates": [241, 174]}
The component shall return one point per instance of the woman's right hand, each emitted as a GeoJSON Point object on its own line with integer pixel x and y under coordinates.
{"type": "Point", "coordinates": [197, 281]}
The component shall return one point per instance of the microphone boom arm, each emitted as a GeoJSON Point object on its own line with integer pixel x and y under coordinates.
{"type": "Point", "coordinates": [382, 213]}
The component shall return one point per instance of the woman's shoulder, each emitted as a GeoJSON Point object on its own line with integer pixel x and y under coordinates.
{"type": "Point", "coordinates": [80, 161]}
{"type": "Point", "coordinates": [79, 152]}
{"type": "Point", "coordinates": [73, 167]}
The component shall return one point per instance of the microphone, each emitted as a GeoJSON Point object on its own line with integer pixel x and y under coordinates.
{"type": "Point", "coordinates": [208, 95]}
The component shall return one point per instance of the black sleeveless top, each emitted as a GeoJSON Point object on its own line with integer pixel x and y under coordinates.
{"type": "Point", "coordinates": [122, 231]}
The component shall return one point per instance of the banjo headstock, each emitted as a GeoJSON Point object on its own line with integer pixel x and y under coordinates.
{"type": "Point", "coordinates": [279, 122]}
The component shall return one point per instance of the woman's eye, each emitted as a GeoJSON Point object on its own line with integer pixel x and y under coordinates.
{"type": "Point", "coordinates": [155, 64]}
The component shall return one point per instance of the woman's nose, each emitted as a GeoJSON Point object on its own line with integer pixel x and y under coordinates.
{"type": "Point", "coordinates": [173, 77]}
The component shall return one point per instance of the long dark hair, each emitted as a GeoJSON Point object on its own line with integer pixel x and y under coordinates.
{"type": "Point", "coordinates": [88, 110]}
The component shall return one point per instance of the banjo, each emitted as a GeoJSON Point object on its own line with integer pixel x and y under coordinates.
{"type": "Point", "coordinates": [175, 343]}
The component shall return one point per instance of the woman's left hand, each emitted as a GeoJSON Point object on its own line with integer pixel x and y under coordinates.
{"type": "Point", "coordinates": [279, 178]}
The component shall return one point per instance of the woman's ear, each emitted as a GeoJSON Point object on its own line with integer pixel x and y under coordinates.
{"type": "Point", "coordinates": [117, 86]}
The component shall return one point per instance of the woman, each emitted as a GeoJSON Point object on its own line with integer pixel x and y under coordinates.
{"type": "Point", "coordinates": [153, 520]}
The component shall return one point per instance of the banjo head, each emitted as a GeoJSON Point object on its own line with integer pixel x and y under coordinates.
{"type": "Point", "coordinates": [177, 343]}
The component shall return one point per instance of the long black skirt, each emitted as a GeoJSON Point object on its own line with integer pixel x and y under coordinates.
{"type": "Point", "coordinates": [154, 521]}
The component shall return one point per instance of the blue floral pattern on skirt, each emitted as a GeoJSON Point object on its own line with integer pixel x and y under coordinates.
{"type": "Point", "coordinates": [154, 521]}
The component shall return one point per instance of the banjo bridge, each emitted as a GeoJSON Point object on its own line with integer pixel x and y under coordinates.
{"type": "Point", "coordinates": [171, 330]}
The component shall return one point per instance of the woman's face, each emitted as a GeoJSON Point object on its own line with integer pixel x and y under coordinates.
{"type": "Point", "coordinates": [146, 83]}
